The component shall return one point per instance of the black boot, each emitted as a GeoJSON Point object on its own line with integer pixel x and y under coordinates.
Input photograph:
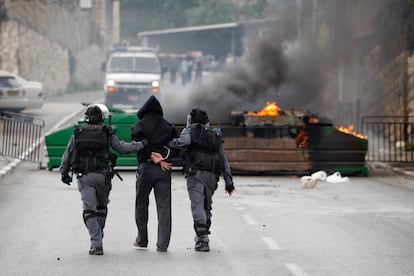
{"type": "Point", "coordinates": [96, 251]}
{"type": "Point", "coordinates": [201, 240]}
{"type": "Point", "coordinates": [202, 246]}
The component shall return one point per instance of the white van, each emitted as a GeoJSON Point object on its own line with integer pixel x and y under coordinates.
{"type": "Point", "coordinates": [132, 75]}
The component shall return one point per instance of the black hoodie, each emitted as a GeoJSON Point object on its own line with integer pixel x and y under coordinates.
{"type": "Point", "coordinates": [152, 127]}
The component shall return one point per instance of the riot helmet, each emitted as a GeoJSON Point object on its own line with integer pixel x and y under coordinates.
{"type": "Point", "coordinates": [96, 114]}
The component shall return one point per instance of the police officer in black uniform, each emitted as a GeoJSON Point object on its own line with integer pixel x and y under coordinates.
{"type": "Point", "coordinates": [204, 162]}
{"type": "Point", "coordinates": [88, 156]}
{"type": "Point", "coordinates": [157, 131]}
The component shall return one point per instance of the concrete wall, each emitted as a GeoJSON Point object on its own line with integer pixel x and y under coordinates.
{"type": "Point", "coordinates": [42, 59]}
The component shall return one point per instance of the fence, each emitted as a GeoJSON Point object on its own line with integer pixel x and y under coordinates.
{"type": "Point", "coordinates": [20, 136]}
{"type": "Point", "coordinates": [390, 138]}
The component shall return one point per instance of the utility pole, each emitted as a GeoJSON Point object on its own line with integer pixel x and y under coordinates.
{"type": "Point", "coordinates": [115, 22]}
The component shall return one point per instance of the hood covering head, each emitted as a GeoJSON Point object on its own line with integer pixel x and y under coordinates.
{"type": "Point", "coordinates": [152, 105]}
{"type": "Point", "coordinates": [199, 116]}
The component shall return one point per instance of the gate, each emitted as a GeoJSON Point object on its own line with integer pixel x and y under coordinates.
{"type": "Point", "coordinates": [390, 138]}
{"type": "Point", "coordinates": [20, 136]}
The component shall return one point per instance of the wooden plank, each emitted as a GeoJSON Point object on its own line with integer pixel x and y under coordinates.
{"type": "Point", "coordinates": [259, 143]}
{"type": "Point", "coordinates": [243, 155]}
{"type": "Point", "coordinates": [271, 166]}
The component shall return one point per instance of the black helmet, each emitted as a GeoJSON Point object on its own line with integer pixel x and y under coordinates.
{"type": "Point", "coordinates": [199, 116]}
{"type": "Point", "coordinates": [95, 114]}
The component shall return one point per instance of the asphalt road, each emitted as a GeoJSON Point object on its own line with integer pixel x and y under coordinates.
{"type": "Point", "coordinates": [270, 226]}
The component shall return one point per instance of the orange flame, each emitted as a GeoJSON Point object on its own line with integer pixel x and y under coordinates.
{"type": "Point", "coordinates": [313, 120]}
{"type": "Point", "coordinates": [350, 130]}
{"type": "Point", "coordinates": [302, 138]}
{"type": "Point", "coordinates": [270, 109]}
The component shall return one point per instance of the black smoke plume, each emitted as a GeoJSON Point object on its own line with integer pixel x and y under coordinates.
{"type": "Point", "coordinates": [281, 65]}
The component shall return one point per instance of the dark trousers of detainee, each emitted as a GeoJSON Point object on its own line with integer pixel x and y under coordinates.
{"type": "Point", "coordinates": [151, 176]}
{"type": "Point", "coordinates": [94, 192]}
{"type": "Point", "coordinates": [201, 187]}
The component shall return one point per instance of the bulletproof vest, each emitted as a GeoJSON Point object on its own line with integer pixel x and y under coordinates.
{"type": "Point", "coordinates": [204, 151]}
{"type": "Point", "coordinates": [91, 148]}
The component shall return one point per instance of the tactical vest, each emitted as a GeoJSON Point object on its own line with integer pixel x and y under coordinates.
{"type": "Point", "coordinates": [204, 151]}
{"type": "Point", "coordinates": [91, 148]}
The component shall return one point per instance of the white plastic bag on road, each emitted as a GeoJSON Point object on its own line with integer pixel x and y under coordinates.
{"type": "Point", "coordinates": [336, 178]}
{"type": "Point", "coordinates": [319, 175]}
{"type": "Point", "coordinates": [308, 182]}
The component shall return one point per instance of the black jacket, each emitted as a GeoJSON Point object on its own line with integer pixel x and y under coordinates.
{"type": "Point", "coordinates": [154, 128]}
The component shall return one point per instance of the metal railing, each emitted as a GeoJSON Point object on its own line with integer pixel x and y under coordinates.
{"type": "Point", "coordinates": [20, 136]}
{"type": "Point", "coordinates": [390, 138]}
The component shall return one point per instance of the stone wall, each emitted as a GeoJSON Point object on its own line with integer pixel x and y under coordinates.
{"type": "Point", "coordinates": [54, 42]}
{"type": "Point", "coordinates": [383, 85]}
{"type": "Point", "coordinates": [9, 45]}
{"type": "Point", "coordinates": [410, 86]}
{"type": "Point", "coordinates": [44, 60]}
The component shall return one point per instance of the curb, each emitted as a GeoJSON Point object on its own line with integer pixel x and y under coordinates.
{"type": "Point", "coordinates": [392, 169]}
{"type": "Point", "coordinates": [403, 172]}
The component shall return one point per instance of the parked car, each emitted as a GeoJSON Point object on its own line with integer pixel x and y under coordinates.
{"type": "Point", "coordinates": [17, 94]}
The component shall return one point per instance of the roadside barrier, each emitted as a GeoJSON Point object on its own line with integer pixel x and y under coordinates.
{"type": "Point", "coordinates": [390, 138]}
{"type": "Point", "coordinates": [20, 136]}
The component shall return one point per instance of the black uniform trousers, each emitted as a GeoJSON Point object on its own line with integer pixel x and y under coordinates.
{"type": "Point", "coordinates": [151, 176]}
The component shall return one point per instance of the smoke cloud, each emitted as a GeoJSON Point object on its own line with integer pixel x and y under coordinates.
{"type": "Point", "coordinates": [282, 65]}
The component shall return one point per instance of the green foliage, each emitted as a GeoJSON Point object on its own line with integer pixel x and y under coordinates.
{"type": "Point", "coordinates": [143, 15]}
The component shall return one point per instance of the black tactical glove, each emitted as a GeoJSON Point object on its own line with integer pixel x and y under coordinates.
{"type": "Point", "coordinates": [229, 188]}
{"type": "Point", "coordinates": [66, 179]}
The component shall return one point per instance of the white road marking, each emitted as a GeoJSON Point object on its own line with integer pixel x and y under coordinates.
{"type": "Point", "coordinates": [271, 243]}
{"type": "Point", "coordinates": [296, 270]}
{"type": "Point", "coordinates": [9, 167]}
{"type": "Point", "coordinates": [249, 220]}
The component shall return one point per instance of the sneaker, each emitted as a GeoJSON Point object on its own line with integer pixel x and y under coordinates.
{"type": "Point", "coordinates": [202, 246]}
{"type": "Point", "coordinates": [136, 244]}
{"type": "Point", "coordinates": [161, 249]}
{"type": "Point", "coordinates": [96, 251]}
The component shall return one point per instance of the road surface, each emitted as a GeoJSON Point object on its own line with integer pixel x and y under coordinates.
{"type": "Point", "coordinates": [270, 226]}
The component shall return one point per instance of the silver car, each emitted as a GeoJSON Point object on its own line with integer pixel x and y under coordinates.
{"type": "Point", "coordinates": [17, 94]}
